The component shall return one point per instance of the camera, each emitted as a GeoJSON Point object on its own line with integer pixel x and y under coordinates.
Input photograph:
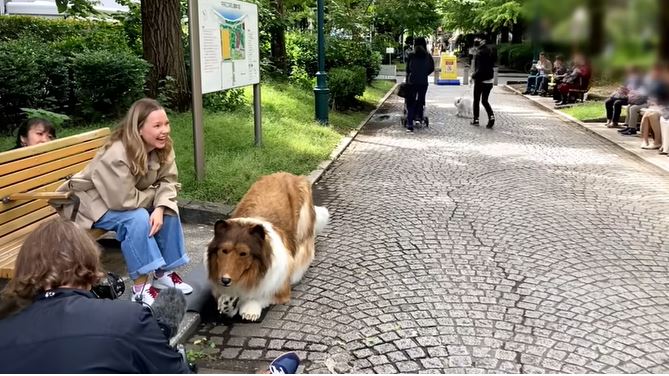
{"type": "Point", "coordinates": [110, 287]}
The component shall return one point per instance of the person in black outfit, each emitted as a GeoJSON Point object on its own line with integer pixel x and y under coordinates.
{"type": "Point", "coordinates": [51, 322]}
{"type": "Point", "coordinates": [419, 66]}
{"type": "Point", "coordinates": [483, 75]}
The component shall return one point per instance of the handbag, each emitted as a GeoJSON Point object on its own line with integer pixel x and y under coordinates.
{"type": "Point", "coordinates": [403, 90]}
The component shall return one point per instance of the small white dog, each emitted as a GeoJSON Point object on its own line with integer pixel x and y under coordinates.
{"type": "Point", "coordinates": [464, 107]}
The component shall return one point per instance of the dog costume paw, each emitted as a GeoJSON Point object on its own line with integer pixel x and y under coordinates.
{"type": "Point", "coordinates": [250, 310]}
{"type": "Point", "coordinates": [227, 305]}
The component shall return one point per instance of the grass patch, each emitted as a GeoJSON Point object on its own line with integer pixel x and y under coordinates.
{"type": "Point", "coordinates": [587, 112]}
{"type": "Point", "coordinates": [292, 140]}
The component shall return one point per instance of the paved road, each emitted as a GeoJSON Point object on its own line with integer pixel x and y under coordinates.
{"type": "Point", "coordinates": [532, 247]}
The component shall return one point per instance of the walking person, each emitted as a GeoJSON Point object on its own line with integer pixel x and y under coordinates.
{"type": "Point", "coordinates": [483, 75]}
{"type": "Point", "coordinates": [419, 66]}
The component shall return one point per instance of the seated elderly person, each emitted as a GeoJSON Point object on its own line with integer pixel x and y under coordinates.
{"type": "Point", "coordinates": [541, 69]}
{"type": "Point", "coordinates": [576, 79]}
{"type": "Point", "coordinates": [638, 99]}
{"type": "Point", "coordinates": [621, 97]}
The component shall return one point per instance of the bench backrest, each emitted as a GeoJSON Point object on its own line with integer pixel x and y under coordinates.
{"type": "Point", "coordinates": [39, 168]}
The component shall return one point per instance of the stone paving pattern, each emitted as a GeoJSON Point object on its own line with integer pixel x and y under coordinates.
{"type": "Point", "coordinates": [533, 247]}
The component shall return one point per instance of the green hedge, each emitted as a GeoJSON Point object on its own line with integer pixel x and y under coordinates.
{"type": "Point", "coordinates": [345, 84]}
{"type": "Point", "coordinates": [301, 49]}
{"type": "Point", "coordinates": [84, 69]}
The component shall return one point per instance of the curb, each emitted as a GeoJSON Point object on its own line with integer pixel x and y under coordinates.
{"type": "Point", "coordinates": [316, 174]}
{"type": "Point", "coordinates": [592, 129]}
{"type": "Point", "coordinates": [202, 212]}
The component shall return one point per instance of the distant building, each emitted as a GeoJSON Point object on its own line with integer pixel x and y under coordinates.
{"type": "Point", "coordinates": [49, 9]}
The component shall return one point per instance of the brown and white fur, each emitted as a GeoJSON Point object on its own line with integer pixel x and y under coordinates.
{"type": "Point", "coordinates": [265, 246]}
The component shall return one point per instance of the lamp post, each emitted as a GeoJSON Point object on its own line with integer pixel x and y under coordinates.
{"type": "Point", "coordinates": [321, 91]}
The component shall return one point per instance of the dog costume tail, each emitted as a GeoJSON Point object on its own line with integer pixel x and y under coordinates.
{"type": "Point", "coordinates": [322, 218]}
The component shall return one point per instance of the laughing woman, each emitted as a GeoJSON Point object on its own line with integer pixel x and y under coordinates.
{"type": "Point", "coordinates": [130, 187]}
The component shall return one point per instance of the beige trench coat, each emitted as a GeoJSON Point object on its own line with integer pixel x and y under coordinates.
{"type": "Point", "coordinates": [107, 184]}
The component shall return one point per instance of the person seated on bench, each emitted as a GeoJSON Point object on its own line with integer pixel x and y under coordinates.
{"type": "Point", "coordinates": [614, 104]}
{"type": "Point", "coordinates": [541, 69]}
{"type": "Point", "coordinates": [579, 74]}
{"type": "Point", "coordinates": [639, 98]}
{"type": "Point", "coordinates": [35, 131]}
{"type": "Point", "coordinates": [130, 187]}
{"type": "Point", "coordinates": [657, 91]}
{"type": "Point", "coordinates": [51, 322]}
{"type": "Point", "coordinates": [559, 71]}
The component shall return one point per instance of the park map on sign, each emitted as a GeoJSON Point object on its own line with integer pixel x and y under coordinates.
{"type": "Point", "coordinates": [233, 34]}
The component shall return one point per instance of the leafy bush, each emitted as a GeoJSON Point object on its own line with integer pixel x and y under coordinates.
{"type": "Point", "coordinates": [52, 30]}
{"type": "Point", "coordinates": [345, 84]}
{"type": "Point", "coordinates": [33, 75]}
{"type": "Point", "coordinates": [224, 101]}
{"type": "Point", "coordinates": [57, 119]}
{"type": "Point", "coordinates": [107, 83]}
{"type": "Point", "coordinates": [301, 49]}
{"type": "Point", "coordinates": [515, 56]}
{"type": "Point", "coordinates": [300, 78]}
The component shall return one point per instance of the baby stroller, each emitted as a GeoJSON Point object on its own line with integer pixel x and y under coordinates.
{"type": "Point", "coordinates": [403, 91]}
{"type": "Point", "coordinates": [421, 122]}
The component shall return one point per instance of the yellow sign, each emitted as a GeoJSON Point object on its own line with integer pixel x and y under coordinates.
{"type": "Point", "coordinates": [449, 67]}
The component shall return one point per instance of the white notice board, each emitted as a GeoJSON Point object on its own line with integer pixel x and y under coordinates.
{"type": "Point", "coordinates": [229, 44]}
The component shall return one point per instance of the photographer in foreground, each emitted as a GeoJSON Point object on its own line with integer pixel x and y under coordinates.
{"type": "Point", "coordinates": [52, 323]}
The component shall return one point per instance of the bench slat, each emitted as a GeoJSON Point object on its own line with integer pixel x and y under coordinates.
{"type": "Point", "coordinates": [23, 231]}
{"type": "Point", "coordinates": [51, 156]}
{"type": "Point", "coordinates": [26, 220]}
{"type": "Point", "coordinates": [20, 211]}
{"type": "Point", "coordinates": [24, 174]}
{"type": "Point", "coordinates": [47, 188]}
{"type": "Point", "coordinates": [28, 151]}
{"type": "Point", "coordinates": [42, 180]}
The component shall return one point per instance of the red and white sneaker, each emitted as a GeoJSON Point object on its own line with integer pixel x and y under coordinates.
{"type": "Point", "coordinates": [147, 295]}
{"type": "Point", "coordinates": [172, 279]}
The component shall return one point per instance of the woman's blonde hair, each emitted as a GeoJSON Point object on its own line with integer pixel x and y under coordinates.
{"type": "Point", "coordinates": [128, 134]}
{"type": "Point", "coordinates": [58, 253]}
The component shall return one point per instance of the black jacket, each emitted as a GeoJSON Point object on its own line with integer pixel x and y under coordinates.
{"type": "Point", "coordinates": [419, 68]}
{"type": "Point", "coordinates": [484, 62]}
{"type": "Point", "coordinates": [70, 331]}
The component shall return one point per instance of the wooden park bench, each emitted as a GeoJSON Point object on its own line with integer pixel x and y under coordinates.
{"type": "Point", "coordinates": [29, 177]}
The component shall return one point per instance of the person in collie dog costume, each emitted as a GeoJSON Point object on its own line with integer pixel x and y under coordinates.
{"type": "Point", "coordinates": [265, 246]}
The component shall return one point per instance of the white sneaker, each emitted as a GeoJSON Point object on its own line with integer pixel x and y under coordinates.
{"type": "Point", "coordinates": [146, 296]}
{"type": "Point", "coordinates": [650, 147]}
{"type": "Point", "coordinates": [172, 279]}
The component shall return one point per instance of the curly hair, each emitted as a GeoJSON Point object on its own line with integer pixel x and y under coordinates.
{"type": "Point", "coordinates": [58, 253]}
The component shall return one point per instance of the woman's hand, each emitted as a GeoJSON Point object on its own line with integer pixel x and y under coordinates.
{"type": "Point", "coordinates": [156, 220]}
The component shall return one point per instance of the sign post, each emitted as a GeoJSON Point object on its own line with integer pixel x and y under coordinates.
{"type": "Point", "coordinates": [225, 54]}
{"type": "Point", "coordinates": [390, 51]}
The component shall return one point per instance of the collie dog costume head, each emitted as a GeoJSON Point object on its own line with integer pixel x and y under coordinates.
{"type": "Point", "coordinates": [239, 255]}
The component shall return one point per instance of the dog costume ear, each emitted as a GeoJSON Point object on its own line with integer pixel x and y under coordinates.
{"type": "Point", "coordinates": [258, 231]}
{"type": "Point", "coordinates": [220, 227]}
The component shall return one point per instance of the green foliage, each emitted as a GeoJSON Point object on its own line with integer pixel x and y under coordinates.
{"type": "Point", "coordinates": [51, 30]}
{"type": "Point", "coordinates": [224, 101]}
{"type": "Point", "coordinates": [515, 56]}
{"type": "Point", "coordinates": [132, 24]}
{"type": "Point", "coordinates": [33, 75]}
{"type": "Point", "coordinates": [415, 16]}
{"type": "Point", "coordinates": [345, 85]}
{"type": "Point", "coordinates": [57, 119]}
{"type": "Point", "coordinates": [301, 51]}
{"type": "Point", "coordinates": [300, 78]}
{"type": "Point", "coordinates": [480, 15]}
{"type": "Point", "coordinates": [81, 8]}
{"type": "Point", "coordinates": [106, 83]}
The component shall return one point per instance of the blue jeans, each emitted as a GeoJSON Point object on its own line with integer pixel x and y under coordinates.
{"type": "Point", "coordinates": [535, 83]}
{"type": "Point", "coordinates": [143, 254]}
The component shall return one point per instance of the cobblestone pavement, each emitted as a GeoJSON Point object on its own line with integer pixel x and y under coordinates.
{"type": "Point", "coordinates": [533, 247]}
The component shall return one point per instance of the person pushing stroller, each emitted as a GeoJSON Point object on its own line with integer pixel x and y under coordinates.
{"type": "Point", "coordinates": [419, 66]}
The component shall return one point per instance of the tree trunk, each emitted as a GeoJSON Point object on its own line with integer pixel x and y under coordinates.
{"type": "Point", "coordinates": [163, 48]}
{"type": "Point", "coordinates": [505, 34]}
{"type": "Point", "coordinates": [518, 30]}
{"type": "Point", "coordinates": [664, 30]}
{"type": "Point", "coordinates": [278, 32]}
{"type": "Point", "coordinates": [596, 10]}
